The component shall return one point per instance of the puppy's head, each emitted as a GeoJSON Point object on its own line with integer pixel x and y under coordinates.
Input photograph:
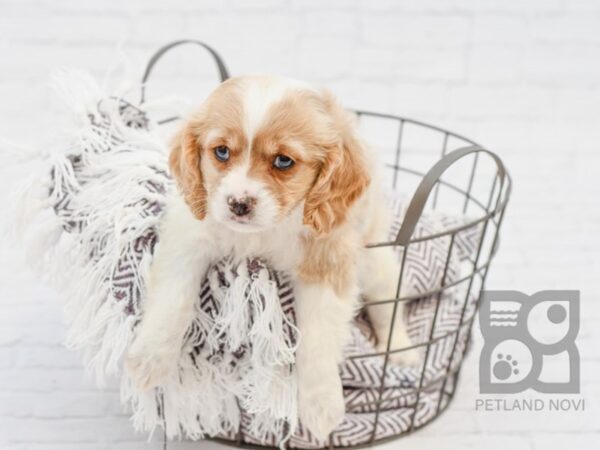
{"type": "Point", "coordinates": [261, 146]}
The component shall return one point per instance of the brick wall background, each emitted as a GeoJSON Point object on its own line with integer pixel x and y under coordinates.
{"type": "Point", "coordinates": [522, 77]}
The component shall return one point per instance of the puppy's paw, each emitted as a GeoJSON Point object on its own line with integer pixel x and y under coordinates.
{"type": "Point", "coordinates": [321, 409]}
{"type": "Point", "coordinates": [410, 358]}
{"type": "Point", "coordinates": [150, 363]}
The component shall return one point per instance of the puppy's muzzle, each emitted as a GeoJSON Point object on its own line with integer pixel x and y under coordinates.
{"type": "Point", "coordinates": [241, 206]}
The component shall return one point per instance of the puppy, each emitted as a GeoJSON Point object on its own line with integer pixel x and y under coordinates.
{"type": "Point", "coordinates": [274, 168]}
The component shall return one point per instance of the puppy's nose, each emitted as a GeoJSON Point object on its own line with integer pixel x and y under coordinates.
{"type": "Point", "coordinates": [241, 206]}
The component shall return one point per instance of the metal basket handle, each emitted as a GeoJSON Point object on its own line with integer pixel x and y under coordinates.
{"type": "Point", "coordinates": [223, 72]}
{"type": "Point", "coordinates": [431, 178]}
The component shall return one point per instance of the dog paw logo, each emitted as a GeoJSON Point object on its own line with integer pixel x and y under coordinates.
{"type": "Point", "coordinates": [529, 342]}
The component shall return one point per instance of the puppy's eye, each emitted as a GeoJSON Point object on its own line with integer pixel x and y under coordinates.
{"type": "Point", "coordinates": [283, 162]}
{"type": "Point", "coordinates": [222, 153]}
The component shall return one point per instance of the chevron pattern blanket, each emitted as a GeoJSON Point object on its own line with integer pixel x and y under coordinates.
{"type": "Point", "coordinates": [89, 218]}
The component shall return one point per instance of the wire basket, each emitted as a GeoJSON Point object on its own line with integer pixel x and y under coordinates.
{"type": "Point", "coordinates": [483, 207]}
{"type": "Point", "coordinates": [447, 172]}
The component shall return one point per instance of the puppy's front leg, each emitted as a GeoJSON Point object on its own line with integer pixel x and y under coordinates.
{"type": "Point", "coordinates": [180, 262]}
{"type": "Point", "coordinates": [324, 317]}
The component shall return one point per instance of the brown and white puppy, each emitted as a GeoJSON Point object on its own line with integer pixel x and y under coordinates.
{"type": "Point", "coordinates": [272, 167]}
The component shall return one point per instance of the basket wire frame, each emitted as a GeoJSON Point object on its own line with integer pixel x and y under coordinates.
{"type": "Point", "coordinates": [493, 213]}
{"type": "Point", "coordinates": [491, 208]}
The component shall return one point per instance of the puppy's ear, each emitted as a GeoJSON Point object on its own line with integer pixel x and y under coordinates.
{"type": "Point", "coordinates": [343, 176]}
{"type": "Point", "coordinates": [184, 162]}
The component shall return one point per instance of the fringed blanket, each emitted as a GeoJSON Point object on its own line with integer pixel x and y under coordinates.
{"type": "Point", "coordinates": [89, 218]}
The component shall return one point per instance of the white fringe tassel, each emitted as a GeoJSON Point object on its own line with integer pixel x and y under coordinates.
{"type": "Point", "coordinates": [108, 194]}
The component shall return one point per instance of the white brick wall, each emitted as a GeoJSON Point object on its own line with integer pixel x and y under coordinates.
{"type": "Point", "coordinates": [520, 76]}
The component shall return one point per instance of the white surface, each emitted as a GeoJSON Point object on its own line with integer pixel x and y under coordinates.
{"type": "Point", "coordinates": [522, 77]}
